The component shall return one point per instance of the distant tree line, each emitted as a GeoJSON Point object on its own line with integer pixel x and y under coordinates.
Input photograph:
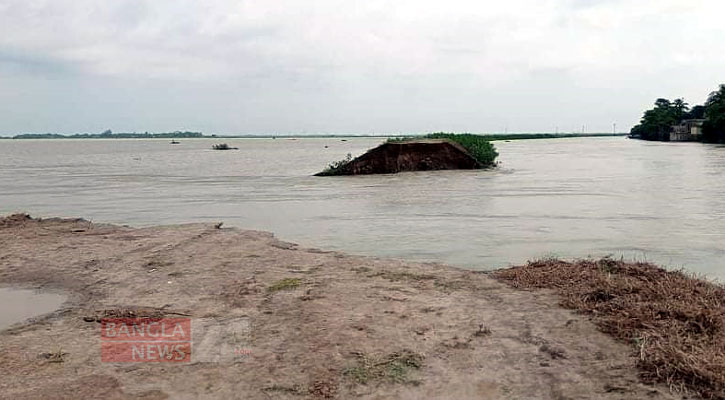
{"type": "Point", "coordinates": [108, 134]}
{"type": "Point", "coordinates": [657, 122]}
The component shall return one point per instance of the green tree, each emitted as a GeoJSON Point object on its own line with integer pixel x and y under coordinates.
{"type": "Point", "coordinates": [714, 127]}
{"type": "Point", "coordinates": [680, 108]}
{"type": "Point", "coordinates": [657, 122]}
{"type": "Point", "coordinates": [697, 112]}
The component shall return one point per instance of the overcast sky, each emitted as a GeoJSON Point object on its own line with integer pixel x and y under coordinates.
{"type": "Point", "coordinates": [372, 66]}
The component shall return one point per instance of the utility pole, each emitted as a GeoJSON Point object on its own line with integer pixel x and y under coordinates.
{"type": "Point", "coordinates": [614, 128]}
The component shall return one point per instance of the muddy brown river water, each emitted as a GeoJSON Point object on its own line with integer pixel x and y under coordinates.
{"type": "Point", "coordinates": [662, 202]}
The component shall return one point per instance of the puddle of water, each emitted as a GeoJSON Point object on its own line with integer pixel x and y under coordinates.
{"type": "Point", "coordinates": [17, 305]}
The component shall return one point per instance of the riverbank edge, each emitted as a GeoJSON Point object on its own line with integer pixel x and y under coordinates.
{"type": "Point", "coordinates": [673, 320]}
{"type": "Point", "coordinates": [379, 327]}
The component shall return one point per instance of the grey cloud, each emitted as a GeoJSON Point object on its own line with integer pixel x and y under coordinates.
{"type": "Point", "coordinates": [22, 63]}
{"type": "Point", "coordinates": [327, 65]}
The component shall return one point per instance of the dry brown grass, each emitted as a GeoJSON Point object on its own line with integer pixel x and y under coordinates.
{"type": "Point", "coordinates": [675, 321]}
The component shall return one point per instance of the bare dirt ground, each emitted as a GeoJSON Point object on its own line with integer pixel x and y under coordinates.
{"type": "Point", "coordinates": [311, 323]}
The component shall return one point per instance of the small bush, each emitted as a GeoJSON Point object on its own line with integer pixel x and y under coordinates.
{"type": "Point", "coordinates": [335, 167]}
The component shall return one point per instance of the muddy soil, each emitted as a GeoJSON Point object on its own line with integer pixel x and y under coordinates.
{"type": "Point", "coordinates": [272, 320]}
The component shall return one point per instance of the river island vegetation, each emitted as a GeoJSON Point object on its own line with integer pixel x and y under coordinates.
{"type": "Point", "coordinates": [477, 149]}
{"type": "Point", "coordinates": [108, 134]}
{"type": "Point", "coordinates": [658, 122]}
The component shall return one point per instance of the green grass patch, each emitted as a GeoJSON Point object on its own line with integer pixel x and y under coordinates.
{"type": "Point", "coordinates": [393, 368]}
{"type": "Point", "coordinates": [284, 284]}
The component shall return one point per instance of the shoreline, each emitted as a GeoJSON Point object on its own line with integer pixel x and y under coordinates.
{"type": "Point", "coordinates": [491, 136]}
{"type": "Point", "coordinates": [309, 323]}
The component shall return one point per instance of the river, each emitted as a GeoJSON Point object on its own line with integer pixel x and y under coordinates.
{"type": "Point", "coordinates": [571, 198]}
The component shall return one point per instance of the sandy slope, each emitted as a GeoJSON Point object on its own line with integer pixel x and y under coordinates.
{"type": "Point", "coordinates": [312, 324]}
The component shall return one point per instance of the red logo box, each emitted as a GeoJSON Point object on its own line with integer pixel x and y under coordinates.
{"type": "Point", "coordinates": [146, 340]}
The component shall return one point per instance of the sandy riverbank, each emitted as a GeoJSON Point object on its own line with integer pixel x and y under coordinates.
{"type": "Point", "coordinates": [309, 323]}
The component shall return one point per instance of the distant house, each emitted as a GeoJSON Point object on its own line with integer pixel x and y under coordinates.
{"type": "Point", "coordinates": [689, 130]}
